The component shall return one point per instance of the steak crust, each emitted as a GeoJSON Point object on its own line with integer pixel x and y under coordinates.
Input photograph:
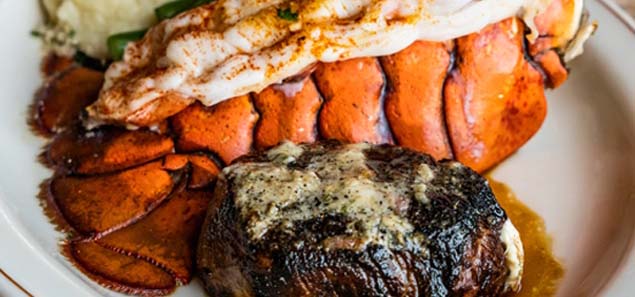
{"type": "Point", "coordinates": [459, 251]}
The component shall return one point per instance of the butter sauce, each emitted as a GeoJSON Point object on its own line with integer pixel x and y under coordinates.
{"type": "Point", "coordinates": [542, 271]}
{"type": "Point", "coordinates": [270, 196]}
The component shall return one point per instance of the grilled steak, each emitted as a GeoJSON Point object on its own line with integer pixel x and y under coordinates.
{"type": "Point", "coordinates": [355, 220]}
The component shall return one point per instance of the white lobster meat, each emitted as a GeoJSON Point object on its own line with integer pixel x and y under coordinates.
{"type": "Point", "coordinates": [234, 47]}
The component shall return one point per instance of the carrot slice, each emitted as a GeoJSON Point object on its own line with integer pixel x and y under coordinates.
{"type": "Point", "coordinates": [352, 91]}
{"type": "Point", "coordinates": [225, 129]}
{"type": "Point", "coordinates": [175, 162]}
{"type": "Point", "coordinates": [167, 235]}
{"type": "Point", "coordinates": [97, 204]}
{"type": "Point", "coordinates": [204, 171]}
{"type": "Point", "coordinates": [119, 272]}
{"type": "Point", "coordinates": [59, 103]}
{"type": "Point", "coordinates": [106, 150]}
{"type": "Point", "coordinates": [494, 99]}
{"type": "Point", "coordinates": [288, 112]}
{"type": "Point", "coordinates": [414, 103]}
{"type": "Point", "coordinates": [53, 64]}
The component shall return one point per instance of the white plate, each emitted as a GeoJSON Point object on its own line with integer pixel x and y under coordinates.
{"type": "Point", "coordinates": [578, 172]}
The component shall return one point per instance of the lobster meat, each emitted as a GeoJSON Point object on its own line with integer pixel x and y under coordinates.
{"type": "Point", "coordinates": [132, 201]}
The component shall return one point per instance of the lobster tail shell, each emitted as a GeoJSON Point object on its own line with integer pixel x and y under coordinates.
{"type": "Point", "coordinates": [414, 102]}
{"type": "Point", "coordinates": [287, 113]}
{"type": "Point", "coordinates": [477, 99]}
{"type": "Point", "coordinates": [494, 98]}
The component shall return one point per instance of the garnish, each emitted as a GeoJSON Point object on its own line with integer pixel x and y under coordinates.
{"type": "Point", "coordinates": [88, 61]}
{"type": "Point", "coordinates": [171, 9]}
{"type": "Point", "coordinates": [117, 43]}
{"type": "Point", "coordinates": [56, 37]}
{"type": "Point", "coordinates": [36, 33]}
{"type": "Point", "coordinates": [287, 14]}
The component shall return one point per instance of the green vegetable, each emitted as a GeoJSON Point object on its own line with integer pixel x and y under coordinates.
{"type": "Point", "coordinates": [89, 62]}
{"type": "Point", "coordinates": [171, 9]}
{"type": "Point", "coordinates": [36, 33]}
{"type": "Point", "coordinates": [117, 43]}
{"type": "Point", "coordinates": [201, 2]}
{"type": "Point", "coordinates": [287, 14]}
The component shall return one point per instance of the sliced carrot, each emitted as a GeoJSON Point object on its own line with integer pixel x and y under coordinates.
{"type": "Point", "coordinates": [204, 171]}
{"type": "Point", "coordinates": [167, 235]}
{"type": "Point", "coordinates": [53, 64]}
{"type": "Point", "coordinates": [175, 162]}
{"type": "Point", "coordinates": [414, 103]}
{"type": "Point", "coordinates": [288, 112]}
{"type": "Point", "coordinates": [494, 99]}
{"type": "Point", "coordinates": [225, 129]}
{"type": "Point", "coordinates": [119, 272]}
{"type": "Point", "coordinates": [161, 127]}
{"type": "Point", "coordinates": [352, 91]}
{"type": "Point", "coordinates": [59, 103]}
{"type": "Point", "coordinates": [553, 67]}
{"type": "Point", "coordinates": [106, 150]}
{"type": "Point", "coordinates": [96, 204]}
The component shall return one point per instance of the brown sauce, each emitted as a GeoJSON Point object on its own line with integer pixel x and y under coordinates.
{"type": "Point", "coordinates": [542, 271]}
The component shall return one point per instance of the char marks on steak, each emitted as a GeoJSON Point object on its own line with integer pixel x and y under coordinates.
{"type": "Point", "coordinates": [354, 220]}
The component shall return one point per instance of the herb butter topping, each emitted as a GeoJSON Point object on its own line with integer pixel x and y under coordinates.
{"type": "Point", "coordinates": [270, 196]}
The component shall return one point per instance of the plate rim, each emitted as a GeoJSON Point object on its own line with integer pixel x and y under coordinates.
{"type": "Point", "coordinates": [16, 228]}
{"type": "Point", "coordinates": [629, 22]}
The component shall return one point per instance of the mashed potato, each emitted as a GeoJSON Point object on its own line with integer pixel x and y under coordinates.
{"type": "Point", "coordinates": [92, 21]}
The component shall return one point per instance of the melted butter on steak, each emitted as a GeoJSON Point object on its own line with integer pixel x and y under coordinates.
{"type": "Point", "coordinates": [337, 183]}
{"type": "Point", "coordinates": [514, 255]}
{"type": "Point", "coordinates": [329, 219]}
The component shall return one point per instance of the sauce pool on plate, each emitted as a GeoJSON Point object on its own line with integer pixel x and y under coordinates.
{"type": "Point", "coordinates": [542, 271]}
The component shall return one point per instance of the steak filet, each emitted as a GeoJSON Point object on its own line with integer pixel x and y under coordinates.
{"type": "Point", "coordinates": [330, 219]}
